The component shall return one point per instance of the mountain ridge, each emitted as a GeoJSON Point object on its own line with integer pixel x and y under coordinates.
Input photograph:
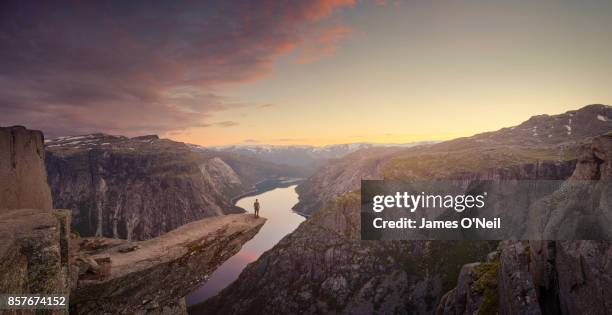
{"type": "Point", "coordinates": [308, 157]}
{"type": "Point", "coordinates": [508, 148]}
{"type": "Point", "coordinates": [141, 187]}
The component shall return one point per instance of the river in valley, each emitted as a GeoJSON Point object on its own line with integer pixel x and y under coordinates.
{"type": "Point", "coordinates": [276, 207]}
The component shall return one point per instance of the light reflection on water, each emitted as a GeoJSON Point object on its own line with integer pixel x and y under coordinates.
{"type": "Point", "coordinates": [276, 207]}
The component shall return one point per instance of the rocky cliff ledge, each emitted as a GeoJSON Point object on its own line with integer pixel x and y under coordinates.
{"type": "Point", "coordinates": [111, 276]}
{"type": "Point", "coordinates": [33, 237]}
{"type": "Point", "coordinates": [149, 276]}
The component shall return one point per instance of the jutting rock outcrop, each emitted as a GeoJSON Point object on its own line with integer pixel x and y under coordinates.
{"type": "Point", "coordinates": [146, 276]}
{"type": "Point", "coordinates": [39, 255]}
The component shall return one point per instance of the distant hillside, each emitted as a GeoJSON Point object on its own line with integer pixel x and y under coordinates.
{"type": "Point", "coordinates": [141, 187]}
{"type": "Point", "coordinates": [543, 130]}
{"type": "Point", "coordinates": [309, 158]}
{"type": "Point", "coordinates": [549, 143]}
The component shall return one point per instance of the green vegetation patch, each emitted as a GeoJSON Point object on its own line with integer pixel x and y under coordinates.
{"type": "Point", "coordinates": [485, 279]}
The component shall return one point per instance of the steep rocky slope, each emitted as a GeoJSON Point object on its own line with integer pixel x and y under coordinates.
{"type": "Point", "coordinates": [546, 277]}
{"type": "Point", "coordinates": [138, 188]}
{"type": "Point", "coordinates": [340, 176]}
{"type": "Point", "coordinates": [324, 267]}
{"type": "Point", "coordinates": [545, 146]}
{"type": "Point", "coordinates": [33, 237]}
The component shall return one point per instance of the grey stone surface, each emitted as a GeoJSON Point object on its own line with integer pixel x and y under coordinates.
{"type": "Point", "coordinates": [161, 270]}
{"type": "Point", "coordinates": [23, 179]}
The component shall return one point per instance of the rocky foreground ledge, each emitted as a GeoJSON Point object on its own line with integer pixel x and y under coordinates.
{"type": "Point", "coordinates": [40, 255]}
{"type": "Point", "coordinates": [153, 276]}
{"type": "Point", "coordinates": [34, 251]}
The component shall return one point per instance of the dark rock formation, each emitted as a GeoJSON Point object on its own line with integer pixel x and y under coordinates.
{"type": "Point", "coordinates": [579, 273]}
{"type": "Point", "coordinates": [138, 188]}
{"type": "Point", "coordinates": [560, 277]}
{"type": "Point", "coordinates": [584, 273]}
{"type": "Point", "coordinates": [23, 180]}
{"type": "Point", "coordinates": [156, 273]}
{"type": "Point", "coordinates": [517, 292]}
{"type": "Point", "coordinates": [547, 277]}
{"type": "Point", "coordinates": [476, 291]}
{"type": "Point", "coordinates": [324, 267]}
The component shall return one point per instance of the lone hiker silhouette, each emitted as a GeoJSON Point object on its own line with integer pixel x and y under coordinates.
{"type": "Point", "coordinates": [256, 207]}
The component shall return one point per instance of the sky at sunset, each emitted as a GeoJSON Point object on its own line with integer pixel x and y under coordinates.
{"type": "Point", "coordinates": [299, 72]}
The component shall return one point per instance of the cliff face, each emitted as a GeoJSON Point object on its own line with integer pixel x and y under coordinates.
{"type": "Point", "coordinates": [576, 276]}
{"type": "Point", "coordinates": [23, 180]}
{"type": "Point", "coordinates": [34, 238]}
{"type": "Point", "coordinates": [341, 176]}
{"type": "Point", "coordinates": [551, 277]}
{"type": "Point", "coordinates": [139, 188]}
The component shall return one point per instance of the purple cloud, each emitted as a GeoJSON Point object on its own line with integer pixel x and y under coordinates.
{"type": "Point", "coordinates": [139, 67]}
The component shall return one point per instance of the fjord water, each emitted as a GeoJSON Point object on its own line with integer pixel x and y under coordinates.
{"type": "Point", "coordinates": [281, 220]}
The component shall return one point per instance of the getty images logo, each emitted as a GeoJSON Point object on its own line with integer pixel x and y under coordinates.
{"type": "Point", "coordinates": [413, 202]}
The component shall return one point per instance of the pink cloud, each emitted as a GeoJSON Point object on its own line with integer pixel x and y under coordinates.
{"type": "Point", "coordinates": [139, 67]}
{"type": "Point", "coordinates": [323, 44]}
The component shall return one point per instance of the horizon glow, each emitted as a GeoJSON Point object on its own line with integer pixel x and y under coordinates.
{"type": "Point", "coordinates": [318, 73]}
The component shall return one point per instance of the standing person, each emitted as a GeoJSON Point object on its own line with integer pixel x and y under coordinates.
{"type": "Point", "coordinates": [256, 207]}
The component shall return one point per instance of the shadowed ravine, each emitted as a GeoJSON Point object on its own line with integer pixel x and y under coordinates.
{"type": "Point", "coordinates": [276, 208]}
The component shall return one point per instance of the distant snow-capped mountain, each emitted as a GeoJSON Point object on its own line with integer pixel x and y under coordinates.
{"type": "Point", "coordinates": [308, 157]}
